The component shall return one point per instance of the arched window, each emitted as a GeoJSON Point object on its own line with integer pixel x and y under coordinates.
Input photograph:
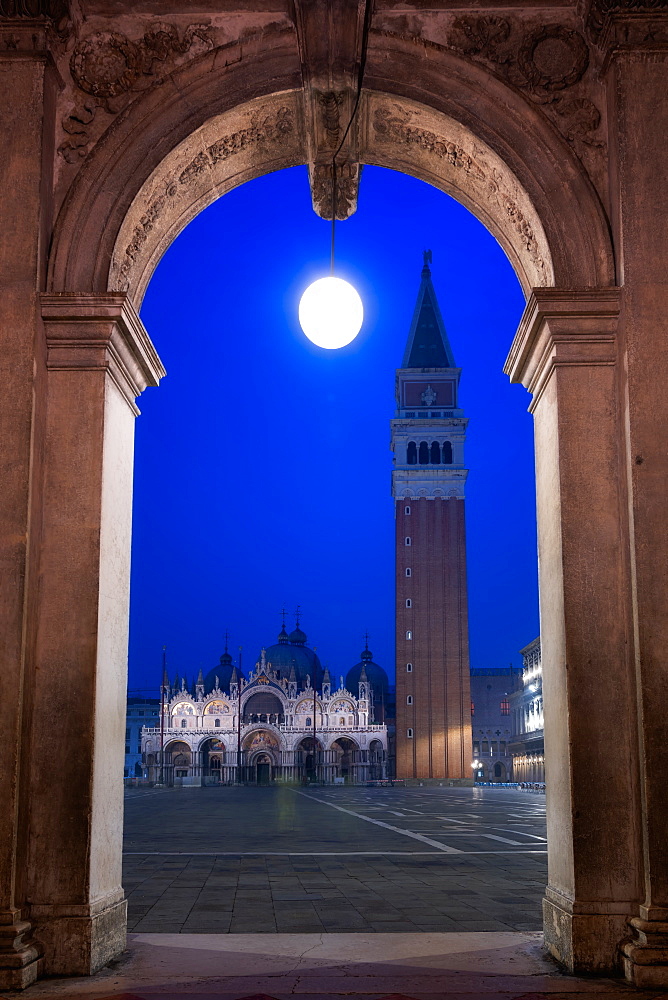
{"type": "Point", "coordinates": [408, 571]}
{"type": "Point", "coordinates": [409, 699]}
{"type": "Point", "coordinates": [184, 723]}
{"type": "Point", "coordinates": [342, 722]}
{"type": "Point", "coordinates": [308, 722]}
{"type": "Point", "coordinates": [505, 706]}
{"type": "Point", "coordinates": [435, 453]}
{"type": "Point", "coordinates": [485, 746]}
{"type": "Point", "coordinates": [409, 603]}
{"type": "Point", "coordinates": [409, 634]}
{"type": "Point", "coordinates": [424, 453]}
{"type": "Point", "coordinates": [411, 455]}
{"type": "Point", "coordinates": [409, 734]}
{"type": "Point", "coordinates": [407, 510]}
{"type": "Point", "coordinates": [408, 540]}
{"type": "Point", "coordinates": [497, 770]}
{"type": "Point", "coordinates": [217, 722]}
{"type": "Point", "coordinates": [409, 668]}
{"type": "Point", "coordinates": [502, 746]}
{"type": "Point", "coordinates": [447, 453]}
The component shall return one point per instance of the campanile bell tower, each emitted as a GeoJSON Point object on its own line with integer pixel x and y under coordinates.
{"type": "Point", "coordinates": [428, 484]}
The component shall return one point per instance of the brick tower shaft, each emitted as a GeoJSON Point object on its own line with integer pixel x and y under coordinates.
{"type": "Point", "coordinates": [428, 480]}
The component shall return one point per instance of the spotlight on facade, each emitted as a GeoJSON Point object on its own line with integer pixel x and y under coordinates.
{"type": "Point", "coordinates": [476, 764]}
{"type": "Point", "coordinates": [331, 312]}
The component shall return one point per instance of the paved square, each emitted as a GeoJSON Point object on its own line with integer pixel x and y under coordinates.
{"type": "Point", "coordinates": [280, 859]}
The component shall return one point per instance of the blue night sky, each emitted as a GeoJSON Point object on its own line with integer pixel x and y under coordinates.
{"type": "Point", "coordinates": [263, 463]}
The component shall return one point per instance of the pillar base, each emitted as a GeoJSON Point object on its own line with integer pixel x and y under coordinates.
{"type": "Point", "coordinates": [20, 961]}
{"type": "Point", "coordinates": [79, 943]}
{"type": "Point", "coordinates": [582, 940]}
{"type": "Point", "coordinates": [645, 958]}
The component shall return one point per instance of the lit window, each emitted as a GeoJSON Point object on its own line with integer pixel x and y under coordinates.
{"type": "Point", "coordinates": [342, 722]}
{"type": "Point", "coordinates": [409, 668]}
{"type": "Point", "coordinates": [407, 510]}
{"type": "Point", "coordinates": [408, 571]}
{"type": "Point", "coordinates": [505, 706]}
{"type": "Point", "coordinates": [409, 734]}
{"type": "Point", "coordinates": [409, 634]}
{"type": "Point", "coordinates": [409, 603]}
{"type": "Point", "coordinates": [409, 699]}
{"type": "Point", "coordinates": [472, 707]}
{"type": "Point", "coordinates": [408, 541]}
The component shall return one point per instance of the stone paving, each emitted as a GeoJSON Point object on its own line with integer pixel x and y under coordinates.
{"type": "Point", "coordinates": [278, 859]}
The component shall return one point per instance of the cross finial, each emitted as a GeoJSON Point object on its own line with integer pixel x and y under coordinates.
{"type": "Point", "coordinates": [298, 614]}
{"type": "Point", "coordinates": [366, 640]}
{"type": "Point", "coordinates": [283, 615]}
{"type": "Point", "coordinates": [227, 637]}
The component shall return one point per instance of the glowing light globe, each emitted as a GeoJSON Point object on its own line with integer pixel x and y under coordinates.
{"type": "Point", "coordinates": [331, 312]}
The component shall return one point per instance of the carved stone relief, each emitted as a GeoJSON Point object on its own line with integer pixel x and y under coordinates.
{"type": "Point", "coordinates": [195, 172]}
{"type": "Point", "coordinates": [347, 184]}
{"type": "Point", "coordinates": [473, 171]}
{"type": "Point", "coordinates": [543, 61]}
{"type": "Point", "coordinates": [110, 68]}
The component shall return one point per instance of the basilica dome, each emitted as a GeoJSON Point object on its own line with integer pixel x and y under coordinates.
{"type": "Point", "coordinates": [375, 675]}
{"type": "Point", "coordinates": [223, 673]}
{"type": "Point", "coordinates": [291, 651]}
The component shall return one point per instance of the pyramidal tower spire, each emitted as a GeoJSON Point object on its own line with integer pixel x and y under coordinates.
{"type": "Point", "coordinates": [428, 483]}
{"type": "Point", "coordinates": [428, 345]}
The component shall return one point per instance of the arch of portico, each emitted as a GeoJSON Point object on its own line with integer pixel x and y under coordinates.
{"type": "Point", "coordinates": [565, 179]}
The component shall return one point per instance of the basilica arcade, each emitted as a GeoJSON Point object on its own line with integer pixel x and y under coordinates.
{"type": "Point", "coordinates": [286, 722]}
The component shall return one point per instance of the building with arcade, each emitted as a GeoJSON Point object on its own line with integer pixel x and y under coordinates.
{"type": "Point", "coordinates": [287, 721]}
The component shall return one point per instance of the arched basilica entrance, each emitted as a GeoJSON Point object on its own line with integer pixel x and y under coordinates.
{"type": "Point", "coordinates": [553, 134]}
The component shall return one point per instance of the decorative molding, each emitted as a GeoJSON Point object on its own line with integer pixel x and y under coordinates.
{"type": "Point", "coordinates": [563, 328]}
{"type": "Point", "coordinates": [399, 129]}
{"type": "Point", "coordinates": [101, 332]}
{"type": "Point", "coordinates": [347, 185]}
{"type": "Point", "coordinates": [542, 61]}
{"type": "Point", "coordinates": [330, 114]}
{"type": "Point", "coordinates": [270, 129]}
{"type": "Point", "coordinates": [626, 22]}
{"type": "Point", "coordinates": [110, 68]}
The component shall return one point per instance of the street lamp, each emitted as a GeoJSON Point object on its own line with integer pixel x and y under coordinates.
{"type": "Point", "coordinates": [475, 764]}
{"type": "Point", "coordinates": [331, 312]}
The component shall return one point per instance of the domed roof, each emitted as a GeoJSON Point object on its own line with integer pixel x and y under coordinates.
{"type": "Point", "coordinates": [223, 672]}
{"type": "Point", "coordinates": [374, 672]}
{"type": "Point", "coordinates": [292, 651]}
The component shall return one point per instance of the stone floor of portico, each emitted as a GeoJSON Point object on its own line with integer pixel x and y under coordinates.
{"type": "Point", "coordinates": [493, 966]}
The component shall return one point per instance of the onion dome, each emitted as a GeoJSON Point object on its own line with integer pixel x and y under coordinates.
{"type": "Point", "coordinates": [220, 676]}
{"type": "Point", "coordinates": [367, 670]}
{"type": "Point", "coordinates": [291, 652]}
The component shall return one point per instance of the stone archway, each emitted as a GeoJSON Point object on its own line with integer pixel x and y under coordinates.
{"type": "Point", "coordinates": [470, 105]}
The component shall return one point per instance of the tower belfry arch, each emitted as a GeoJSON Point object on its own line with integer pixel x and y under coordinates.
{"type": "Point", "coordinates": [550, 124]}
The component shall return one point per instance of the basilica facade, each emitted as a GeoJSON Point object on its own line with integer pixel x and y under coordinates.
{"type": "Point", "coordinates": [287, 721]}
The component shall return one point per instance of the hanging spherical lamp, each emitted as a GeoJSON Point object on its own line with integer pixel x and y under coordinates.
{"type": "Point", "coordinates": [331, 312]}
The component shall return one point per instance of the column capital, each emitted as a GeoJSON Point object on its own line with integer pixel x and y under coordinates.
{"type": "Point", "coordinates": [563, 327]}
{"type": "Point", "coordinates": [100, 332]}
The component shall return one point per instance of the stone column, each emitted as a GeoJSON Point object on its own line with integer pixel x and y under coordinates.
{"type": "Point", "coordinates": [567, 353]}
{"type": "Point", "coordinates": [637, 41]}
{"type": "Point", "coordinates": [28, 84]}
{"type": "Point", "coordinates": [99, 358]}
